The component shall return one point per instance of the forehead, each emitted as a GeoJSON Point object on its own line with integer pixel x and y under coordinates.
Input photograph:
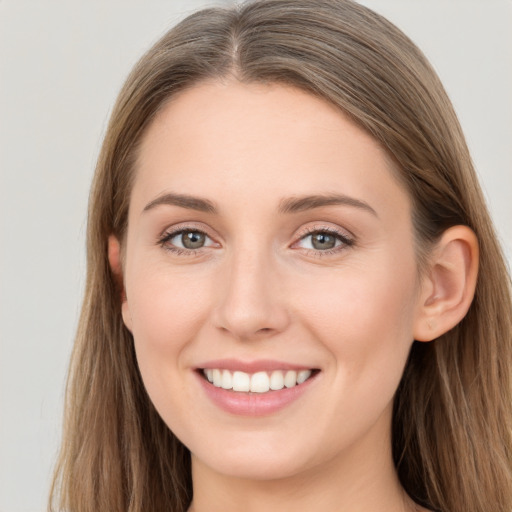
{"type": "Point", "coordinates": [235, 139]}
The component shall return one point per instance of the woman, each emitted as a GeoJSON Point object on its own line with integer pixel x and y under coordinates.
{"type": "Point", "coordinates": [295, 297]}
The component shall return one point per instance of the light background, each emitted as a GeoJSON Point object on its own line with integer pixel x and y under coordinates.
{"type": "Point", "coordinates": [61, 65]}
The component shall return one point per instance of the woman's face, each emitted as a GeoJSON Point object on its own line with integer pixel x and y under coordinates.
{"type": "Point", "coordinates": [269, 242]}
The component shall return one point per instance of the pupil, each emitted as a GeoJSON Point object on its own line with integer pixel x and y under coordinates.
{"type": "Point", "coordinates": [323, 241]}
{"type": "Point", "coordinates": [192, 239]}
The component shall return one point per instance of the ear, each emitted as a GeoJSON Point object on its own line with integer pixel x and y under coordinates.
{"type": "Point", "coordinates": [114, 259]}
{"type": "Point", "coordinates": [449, 284]}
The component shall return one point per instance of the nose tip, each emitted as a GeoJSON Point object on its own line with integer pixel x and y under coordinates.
{"type": "Point", "coordinates": [245, 324]}
{"type": "Point", "coordinates": [251, 303]}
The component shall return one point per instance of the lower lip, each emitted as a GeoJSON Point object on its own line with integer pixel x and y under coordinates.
{"type": "Point", "coordinates": [254, 404]}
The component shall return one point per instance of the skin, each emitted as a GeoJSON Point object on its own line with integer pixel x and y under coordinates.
{"type": "Point", "coordinates": [259, 289]}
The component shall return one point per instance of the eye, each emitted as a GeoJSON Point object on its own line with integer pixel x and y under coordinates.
{"type": "Point", "coordinates": [186, 239]}
{"type": "Point", "coordinates": [324, 240]}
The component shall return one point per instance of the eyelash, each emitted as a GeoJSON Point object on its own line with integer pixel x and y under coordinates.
{"type": "Point", "coordinates": [346, 242]}
{"type": "Point", "coordinates": [169, 235]}
{"type": "Point", "coordinates": [343, 238]}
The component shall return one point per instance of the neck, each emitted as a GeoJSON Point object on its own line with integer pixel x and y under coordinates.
{"type": "Point", "coordinates": [355, 482]}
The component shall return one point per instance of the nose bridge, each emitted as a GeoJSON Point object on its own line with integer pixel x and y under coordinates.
{"type": "Point", "coordinates": [251, 302]}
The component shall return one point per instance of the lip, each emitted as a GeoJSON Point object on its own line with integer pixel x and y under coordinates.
{"type": "Point", "coordinates": [261, 365]}
{"type": "Point", "coordinates": [253, 404]}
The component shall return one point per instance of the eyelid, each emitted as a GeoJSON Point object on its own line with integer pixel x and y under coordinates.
{"type": "Point", "coordinates": [186, 226]}
{"type": "Point", "coordinates": [347, 239]}
{"type": "Point", "coordinates": [176, 234]}
{"type": "Point", "coordinates": [316, 228]}
{"type": "Point", "coordinates": [172, 231]}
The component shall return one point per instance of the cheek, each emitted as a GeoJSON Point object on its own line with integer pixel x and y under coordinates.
{"type": "Point", "coordinates": [363, 315]}
{"type": "Point", "coordinates": [166, 312]}
{"type": "Point", "coordinates": [364, 320]}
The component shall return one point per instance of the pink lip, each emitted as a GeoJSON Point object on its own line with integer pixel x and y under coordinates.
{"type": "Point", "coordinates": [262, 365]}
{"type": "Point", "coordinates": [253, 404]}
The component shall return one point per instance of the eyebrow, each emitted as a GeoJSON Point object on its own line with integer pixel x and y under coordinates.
{"type": "Point", "coordinates": [286, 206]}
{"type": "Point", "coordinates": [300, 204]}
{"type": "Point", "coordinates": [184, 201]}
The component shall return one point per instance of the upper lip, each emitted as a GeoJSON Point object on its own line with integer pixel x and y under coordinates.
{"type": "Point", "coordinates": [252, 366]}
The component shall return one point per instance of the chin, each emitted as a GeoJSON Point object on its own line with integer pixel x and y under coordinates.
{"type": "Point", "coordinates": [255, 467]}
{"type": "Point", "coordinates": [257, 456]}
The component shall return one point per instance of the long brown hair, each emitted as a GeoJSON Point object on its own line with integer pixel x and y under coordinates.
{"type": "Point", "coordinates": [452, 427]}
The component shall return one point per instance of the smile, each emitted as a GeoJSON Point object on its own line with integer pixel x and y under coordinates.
{"type": "Point", "coordinates": [255, 388]}
{"type": "Point", "coordinates": [259, 382]}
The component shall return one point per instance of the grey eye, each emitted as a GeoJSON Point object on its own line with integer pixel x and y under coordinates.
{"type": "Point", "coordinates": [190, 240]}
{"type": "Point", "coordinates": [322, 241]}
{"type": "Point", "coordinates": [193, 239]}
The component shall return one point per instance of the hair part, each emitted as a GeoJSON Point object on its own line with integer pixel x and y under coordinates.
{"type": "Point", "coordinates": [452, 427]}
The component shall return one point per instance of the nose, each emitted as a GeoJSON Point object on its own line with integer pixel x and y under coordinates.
{"type": "Point", "coordinates": [251, 303]}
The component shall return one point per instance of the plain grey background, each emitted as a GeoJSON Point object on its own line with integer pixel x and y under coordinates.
{"type": "Point", "coordinates": [61, 65]}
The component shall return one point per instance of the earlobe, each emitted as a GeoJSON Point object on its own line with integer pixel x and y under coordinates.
{"type": "Point", "coordinates": [449, 285]}
{"type": "Point", "coordinates": [114, 259]}
{"type": "Point", "coordinates": [114, 256]}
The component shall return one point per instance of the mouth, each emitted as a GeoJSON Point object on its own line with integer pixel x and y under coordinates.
{"type": "Point", "coordinates": [258, 382]}
{"type": "Point", "coordinates": [255, 388]}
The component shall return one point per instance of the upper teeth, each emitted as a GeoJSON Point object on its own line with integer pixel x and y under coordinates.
{"type": "Point", "coordinates": [259, 382]}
